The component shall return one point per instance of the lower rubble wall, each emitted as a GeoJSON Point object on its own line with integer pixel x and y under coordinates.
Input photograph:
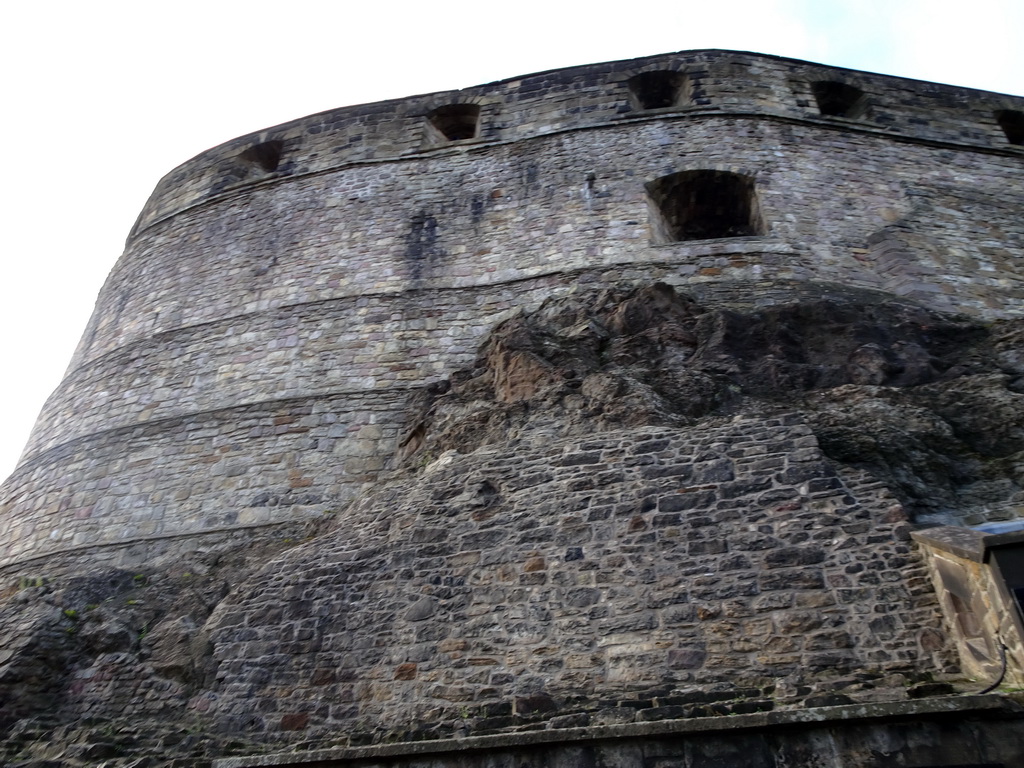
{"type": "Point", "coordinates": [953, 732]}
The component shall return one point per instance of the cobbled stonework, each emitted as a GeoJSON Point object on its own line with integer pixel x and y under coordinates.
{"type": "Point", "coordinates": [545, 578]}
{"type": "Point", "coordinates": [584, 400]}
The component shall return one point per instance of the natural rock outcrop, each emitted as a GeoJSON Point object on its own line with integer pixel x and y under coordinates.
{"type": "Point", "coordinates": [932, 404]}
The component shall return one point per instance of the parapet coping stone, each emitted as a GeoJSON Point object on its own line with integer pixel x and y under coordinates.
{"type": "Point", "coordinates": [958, 705]}
{"type": "Point", "coordinates": [968, 543]}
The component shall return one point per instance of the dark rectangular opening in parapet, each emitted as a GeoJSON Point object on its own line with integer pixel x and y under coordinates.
{"type": "Point", "coordinates": [837, 99]}
{"type": "Point", "coordinates": [1012, 123]}
{"type": "Point", "coordinates": [658, 90]}
{"type": "Point", "coordinates": [703, 204]}
{"type": "Point", "coordinates": [1009, 564]}
{"type": "Point", "coordinates": [453, 122]}
{"type": "Point", "coordinates": [266, 156]}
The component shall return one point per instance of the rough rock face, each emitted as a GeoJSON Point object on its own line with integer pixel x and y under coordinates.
{"type": "Point", "coordinates": [633, 507]}
{"type": "Point", "coordinates": [929, 403]}
{"type": "Point", "coordinates": [101, 666]}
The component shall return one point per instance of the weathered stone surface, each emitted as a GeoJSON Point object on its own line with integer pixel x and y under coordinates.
{"type": "Point", "coordinates": [378, 437]}
{"type": "Point", "coordinates": [269, 326]}
{"type": "Point", "coordinates": [938, 420]}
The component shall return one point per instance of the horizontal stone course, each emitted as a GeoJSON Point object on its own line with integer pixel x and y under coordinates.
{"type": "Point", "coordinates": [192, 474]}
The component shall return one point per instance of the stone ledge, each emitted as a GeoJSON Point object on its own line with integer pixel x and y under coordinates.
{"type": "Point", "coordinates": [91, 551]}
{"type": "Point", "coordinates": [991, 705]}
{"type": "Point", "coordinates": [967, 543]}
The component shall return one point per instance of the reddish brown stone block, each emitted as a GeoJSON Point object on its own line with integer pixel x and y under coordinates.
{"type": "Point", "coordinates": [294, 722]}
{"type": "Point", "coordinates": [405, 671]}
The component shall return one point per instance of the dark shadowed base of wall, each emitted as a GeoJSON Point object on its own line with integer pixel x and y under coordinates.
{"type": "Point", "coordinates": [951, 732]}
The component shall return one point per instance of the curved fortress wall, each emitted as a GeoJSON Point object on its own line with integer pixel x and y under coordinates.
{"type": "Point", "coordinates": [252, 353]}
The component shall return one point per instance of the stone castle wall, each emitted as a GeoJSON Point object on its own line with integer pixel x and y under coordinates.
{"type": "Point", "coordinates": [615, 568]}
{"type": "Point", "coordinates": [632, 576]}
{"type": "Point", "coordinates": [253, 351]}
{"type": "Point", "coordinates": [594, 96]}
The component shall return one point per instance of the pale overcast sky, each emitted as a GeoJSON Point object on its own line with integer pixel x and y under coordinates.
{"type": "Point", "coordinates": [101, 99]}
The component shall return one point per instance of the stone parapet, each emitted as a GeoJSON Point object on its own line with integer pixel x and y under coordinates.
{"type": "Point", "coordinates": [550, 103]}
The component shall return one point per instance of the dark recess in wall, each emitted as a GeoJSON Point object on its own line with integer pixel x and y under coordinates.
{"type": "Point", "coordinates": [703, 204]}
{"type": "Point", "coordinates": [456, 122]}
{"type": "Point", "coordinates": [266, 155]}
{"type": "Point", "coordinates": [1012, 123]}
{"type": "Point", "coordinates": [657, 90]}
{"type": "Point", "coordinates": [838, 99]}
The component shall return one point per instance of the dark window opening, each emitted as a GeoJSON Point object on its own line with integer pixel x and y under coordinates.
{"type": "Point", "coordinates": [658, 90]}
{"type": "Point", "coordinates": [455, 122]}
{"type": "Point", "coordinates": [838, 99]}
{"type": "Point", "coordinates": [1012, 123]}
{"type": "Point", "coordinates": [700, 205]}
{"type": "Point", "coordinates": [266, 155]}
{"type": "Point", "coordinates": [1009, 564]}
